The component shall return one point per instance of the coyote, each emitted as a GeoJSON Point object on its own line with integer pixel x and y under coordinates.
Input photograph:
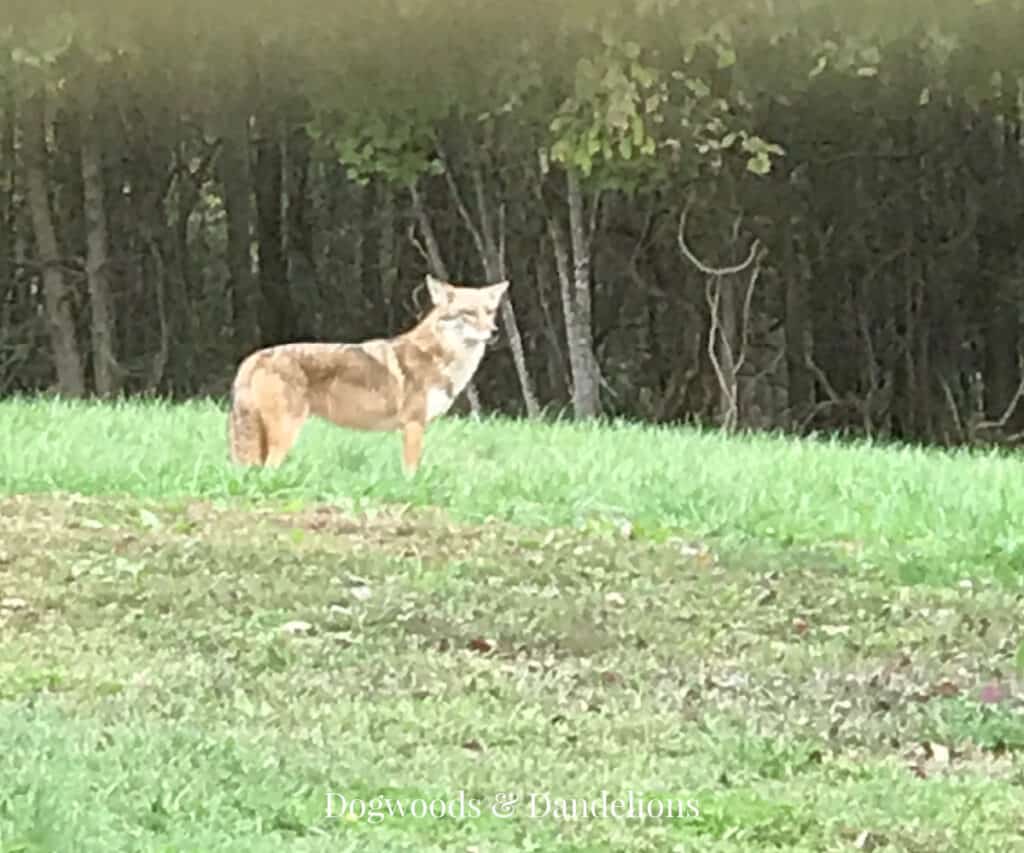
{"type": "Point", "coordinates": [400, 383]}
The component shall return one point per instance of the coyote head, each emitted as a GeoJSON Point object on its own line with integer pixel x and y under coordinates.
{"type": "Point", "coordinates": [465, 315]}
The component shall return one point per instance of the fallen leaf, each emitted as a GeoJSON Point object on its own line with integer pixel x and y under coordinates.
{"type": "Point", "coordinates": [866, 841]}
{"type": "Point", "coordinates": [13, 603]}
{"type": "Point", "coordinates": [360, 593]}
{"type": "Point", "coordinates": [479, 644]}
{"type": "Point", "coordinates": [945, 688]}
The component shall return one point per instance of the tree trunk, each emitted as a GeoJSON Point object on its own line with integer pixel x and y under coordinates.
{"type": "Point", "coordinates": [105, 371]}
{"type": "Point", "coordinates": [800, 386]}
{"type": "Point", "coordinates": [495, 270]}
{"type": "Point", "coordinates": [555, 362]}
{"type": "Point", "coordinates": [360, 291]}
{"type": "Point", "coordinates": [236, 180]}
{"type": "Point", "coordinates": [182, 293]}
{"type": "Point", "coordinates": [60, 322]}
{"type": "Point", "coordinates": [8, 234]}
{"type": "Point", "coordinates": [275, 301]}
{"type": "Point", "coordinates": [434, 258]}
{"type": "Point", "coordinates": [727, 345]}
{"type": "Point", "coordinates": [562, 268]}
{"type": "Point", "coordinates": [387, 258]}
{"type": "Point", "coordinates": [299, 243]}
{"type": "Point", "coordinates": [578, 319]}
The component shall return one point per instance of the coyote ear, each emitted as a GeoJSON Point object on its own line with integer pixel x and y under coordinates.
{"type": "Point", "coordinates": [439, 294]}
{"type": "Point", "coordinates": [497, 291]}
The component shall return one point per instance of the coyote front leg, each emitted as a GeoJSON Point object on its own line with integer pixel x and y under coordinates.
{"type": "Point", "coordinates": [412, 446]}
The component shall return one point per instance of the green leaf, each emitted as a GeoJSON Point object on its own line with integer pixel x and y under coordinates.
{"type": "Point", "coordinates": [637, 123]}
{"type": "Point", "coordinates": [871, 55]}
{"type": "Point", "coordinates": [643, 75]}
{"type": "Point", "coordinates": [726, 57]}
{"type": "Point", "coordinates": [760, 163]}
{"type": "Point", "coordinates": [698, 87]}
{"type": "Point", "coordinates": [20, 56]}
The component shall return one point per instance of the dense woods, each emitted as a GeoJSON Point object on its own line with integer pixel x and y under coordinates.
{"type": "Point", "coordinates": [795, 215]}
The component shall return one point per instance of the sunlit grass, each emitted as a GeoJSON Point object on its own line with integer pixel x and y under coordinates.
{"type": "Point", "coordinates": [922, 514]}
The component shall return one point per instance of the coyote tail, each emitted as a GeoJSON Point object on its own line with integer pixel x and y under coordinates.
{"type": "Point", "coordinates": [247, 436]}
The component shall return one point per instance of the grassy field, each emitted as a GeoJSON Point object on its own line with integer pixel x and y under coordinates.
{"type": "Point", "coordinates": [782, 645]}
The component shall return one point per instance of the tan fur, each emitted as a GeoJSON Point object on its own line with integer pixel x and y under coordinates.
{"type": "Point", "coordinates": [400, 383]}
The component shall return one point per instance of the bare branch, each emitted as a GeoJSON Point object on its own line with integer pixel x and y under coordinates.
{"type": "Point", "coordinates": [431, 252]}
{"type": "Point", "coordinates": [819, 374]}
{"type": "Point", "coordinates": [159, 366]}
{"type": "Point", "coordinates": [953, 408]}
{"type": "Point", "coordinates": [483, 208]}
{"type": "Point", "coordinates": [416, 244]}
{"type": "Point", "coordinates": [592, 223]}
{"type": "Point", "coordinates": [706, 268]}
{"type": "Point", "coordinates": [816, 410]}
{"type": "Point", "coordinates": [969, 229]}
{"type": "Point", "coordinates": [503, 270]}
{"type": "Point", "coordinates": [755, 274]}
{"type": "Point", "coordinates": [645, 232]}
{"type": "Point", "coordinates": [467, 218]}
{"type": "Point", "coordinates": [712, 293]}
{"type": "Point", "coordinates": [771, 368]}
{"type": "Point", "coordinates": [1011, 406]}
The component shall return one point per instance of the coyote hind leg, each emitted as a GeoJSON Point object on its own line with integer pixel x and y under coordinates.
{"type": "Point", "coordinates": [247, 438]}
{"type": "Point", "coordinates": [283, 408]}
{"type": "Point", "coordinates": [282, 433]}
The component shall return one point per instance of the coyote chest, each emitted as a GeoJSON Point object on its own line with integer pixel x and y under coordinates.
{"type": "Point", "coordinates": [457, 375]}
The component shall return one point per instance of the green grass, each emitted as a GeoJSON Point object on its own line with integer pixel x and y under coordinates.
{"type": "Point", "coordinates": [921, 514]}
{"type": "Point", "coordinates": [192, 656]}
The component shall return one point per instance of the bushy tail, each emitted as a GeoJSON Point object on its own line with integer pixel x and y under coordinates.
{"type": "Point", "coordinates": [247, 437]}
